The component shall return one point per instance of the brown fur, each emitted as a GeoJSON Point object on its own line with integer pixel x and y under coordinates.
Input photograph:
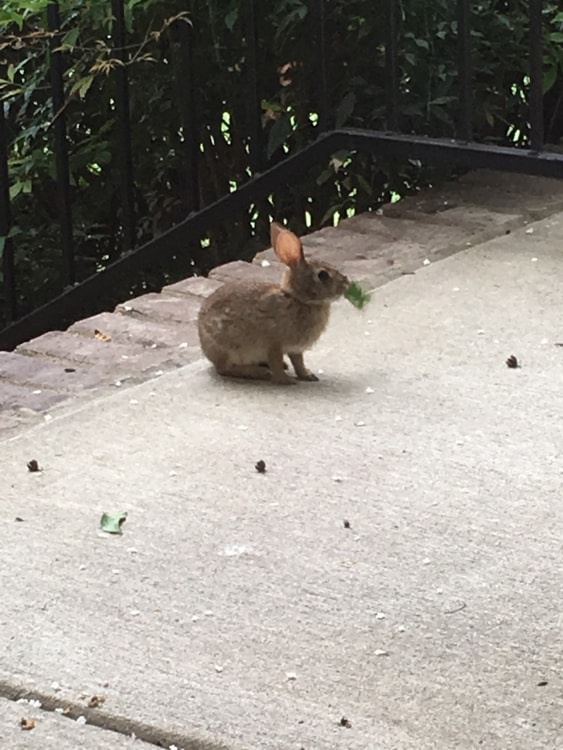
{"type": "Point", "coordinates": [245, 323]}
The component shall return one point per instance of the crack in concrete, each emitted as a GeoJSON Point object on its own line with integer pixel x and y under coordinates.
{"type": "Point", "coordinates": [104, 719]}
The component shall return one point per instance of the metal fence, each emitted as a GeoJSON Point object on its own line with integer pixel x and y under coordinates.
{"type": "Point", "coordinates": [83, 295]}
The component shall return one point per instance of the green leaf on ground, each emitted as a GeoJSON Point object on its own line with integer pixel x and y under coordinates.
{"type": "Point", "coordinates": [357, 296]}
{"type": "Point", "coordinates": [112, 522]}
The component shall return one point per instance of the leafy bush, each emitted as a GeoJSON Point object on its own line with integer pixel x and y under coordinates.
{"type": "Point", "coordinates": [288, 106]}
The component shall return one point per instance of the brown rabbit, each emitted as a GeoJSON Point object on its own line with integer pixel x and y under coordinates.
{"type": "Point", "coordinates": [246, 327]}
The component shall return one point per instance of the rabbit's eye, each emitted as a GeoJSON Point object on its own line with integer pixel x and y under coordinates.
{"type": "Point", "coordinates": [323, 275]}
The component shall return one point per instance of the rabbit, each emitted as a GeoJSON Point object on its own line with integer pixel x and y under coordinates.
{"type": "Point", "coordinates": [246, 327]}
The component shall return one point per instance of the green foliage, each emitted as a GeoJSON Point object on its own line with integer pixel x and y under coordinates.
{"type": "Point", "coordinates": [17, 13]}
{"type": "Point", "coordinates": [289, 96]}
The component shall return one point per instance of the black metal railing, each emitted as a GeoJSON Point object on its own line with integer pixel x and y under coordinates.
{"type": "Point", "coordinates": [84, 297]}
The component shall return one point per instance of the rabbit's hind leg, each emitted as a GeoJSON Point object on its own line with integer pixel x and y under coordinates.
{"type": "Point", "coordinates": [249, 372]}
{"type": "Point", "coordinates": [273, 370]}
{"type": "Point", "coordinates": [226, 367]}
{"type": "Point", "coordinates": [265, 364]}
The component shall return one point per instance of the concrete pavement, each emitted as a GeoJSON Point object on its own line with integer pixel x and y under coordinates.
{"type": "Point", "coordinates": [237, 610]}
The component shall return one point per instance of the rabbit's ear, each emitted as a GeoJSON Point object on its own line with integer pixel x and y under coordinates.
{"type": "Point", "coordinates": [275, 230]}
{"type": "Point", "coordinates": [287, 245]}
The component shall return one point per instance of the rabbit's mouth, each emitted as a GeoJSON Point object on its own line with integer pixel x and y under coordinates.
{"type": "Point", "coordinates": [313, 301]}
{"type": "Point", "coordinates": [343, 289]}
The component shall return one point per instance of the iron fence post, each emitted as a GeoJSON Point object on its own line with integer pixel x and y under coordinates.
{"type": "Point", "coordinates": [7, 252]}
{"type": "Point", "coordinates": [61, 144]}
{"type": "Point", "coordinates": [465, 71]}
{"type": "Point", "coordinates": [123, 126]}
{"type": "Point", "coordinates": [184, 30]}
{"type": "Point", "coordinates": [320, 25]}
{"type": "Point", "coordinates": [536, 76]}
{"type": "Point", "coordinates": [253, 123]}
{"type": "Point", "coordinates": [391, 66]}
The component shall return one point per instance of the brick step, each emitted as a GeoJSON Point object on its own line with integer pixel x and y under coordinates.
{"type": "Point", "coordinates": [156, 332]}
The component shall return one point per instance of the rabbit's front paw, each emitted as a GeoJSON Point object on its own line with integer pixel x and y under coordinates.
{"type": "Point", "coordinates": [300, 370]}
{"type": "Point", "coordinates": [308, 376]}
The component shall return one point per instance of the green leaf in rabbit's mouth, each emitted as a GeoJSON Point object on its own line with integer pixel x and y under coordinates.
{"type": "Point", "coordinates": [357, 296]}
